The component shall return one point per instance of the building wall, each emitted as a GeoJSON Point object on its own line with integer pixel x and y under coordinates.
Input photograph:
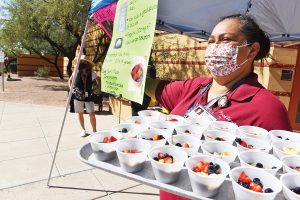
{"type": "Point", "coordinates": [28, 64]}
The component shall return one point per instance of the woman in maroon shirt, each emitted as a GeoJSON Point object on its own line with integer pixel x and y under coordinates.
{"type": "Point", "coordinates": [233, 94]}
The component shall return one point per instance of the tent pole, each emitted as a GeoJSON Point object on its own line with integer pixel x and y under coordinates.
{"type": "Point", "coordinates": [69, 97]}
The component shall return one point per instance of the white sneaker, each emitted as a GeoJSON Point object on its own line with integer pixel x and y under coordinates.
{"type": "Point", "coordinates": [83, 133]}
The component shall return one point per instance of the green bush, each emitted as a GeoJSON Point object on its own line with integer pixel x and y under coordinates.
{"type": "Point", "coordinates": [42, 72]}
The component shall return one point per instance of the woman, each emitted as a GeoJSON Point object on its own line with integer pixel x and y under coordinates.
{"type": "Point", "coordinates": [233, 94]}
{"type": "Point", "coordinates": [84, 87]}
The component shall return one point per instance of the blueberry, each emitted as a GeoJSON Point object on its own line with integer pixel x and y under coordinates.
{"type": "Point", "coordinates": [211, 168]}
{"type": "Point", "coordinates": [124, 130]}
{"type": "Point", "coordinates": [268, 190]}
{"type": "Point", "coordinates": [155, 158]}
{"type": "Point", "coordinates": [245, 185]}
{"type": "Point", "coordinates": [274, 167]}
{"type": "Point", "coordinates": [296, 190]}
{"type": "Point", "coordinates": [238, 140]}
{"type": "Point", "coordinates": [217, 167]}
{"type": "Point", "coordinates": [219, 139]}
{"type": "Point", "coordinates": [250, 146]}
{"type": "Point", "coordinates": [160, 137]}
{"type": "Point", "coordinates": [187, 131]}
{"type": "Point", "coordinates": [150, 138]}
{"type": "Point", "coordinates": [256, 180]}
{"type": "Point", "coordinates": [178, 144]}
{"type": "Point", "coordinates": [287, 139]}
{"type": "Point", "coordinates": [279, 137]}
{"type": "Point", "coordinates": [259, 165]}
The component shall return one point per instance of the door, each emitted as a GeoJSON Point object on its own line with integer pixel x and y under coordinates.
{"type": "Point", "coordinates": [294, 107]}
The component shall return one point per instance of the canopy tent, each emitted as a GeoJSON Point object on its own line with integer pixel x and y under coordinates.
{"type": "Point", "coordinates": [196, 18]}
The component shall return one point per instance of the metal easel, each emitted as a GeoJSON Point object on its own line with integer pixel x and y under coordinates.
{"type": "Point", "coordinates": [62, 128]}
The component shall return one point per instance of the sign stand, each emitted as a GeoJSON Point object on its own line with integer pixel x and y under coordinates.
{"type": "Point", "coordinates": [108, 192]}
{"type": "Point", "coordinates": [2, 67]}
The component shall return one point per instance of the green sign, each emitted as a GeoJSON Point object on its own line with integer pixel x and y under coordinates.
{"type": "Point", "coordinates": [125, 66]}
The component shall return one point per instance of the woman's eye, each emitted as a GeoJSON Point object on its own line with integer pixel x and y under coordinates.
{"type": "Point", "coordinates": [227, 39]}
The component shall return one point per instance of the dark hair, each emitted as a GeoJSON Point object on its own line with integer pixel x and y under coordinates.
{"type": "Point", "coordinates": [253, 33]}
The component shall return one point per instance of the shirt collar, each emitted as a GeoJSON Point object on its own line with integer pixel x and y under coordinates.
{"type": "Point", "coordinates": [247, 90]}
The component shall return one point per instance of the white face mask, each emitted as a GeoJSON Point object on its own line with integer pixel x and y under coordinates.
{"type": "Point", "coordinates": [221, 59]}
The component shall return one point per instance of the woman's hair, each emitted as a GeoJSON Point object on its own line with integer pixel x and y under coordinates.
{"type": "Point", "coordinates": [253, 33]}
{"type": "Point", "coordinates": [85, 65]}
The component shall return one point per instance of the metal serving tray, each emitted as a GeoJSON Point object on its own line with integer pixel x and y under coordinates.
{"type": "Point", "coordinates": [181, 187]}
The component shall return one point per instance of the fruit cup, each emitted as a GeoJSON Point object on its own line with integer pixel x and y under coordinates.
{"type": "Point", "coordinates": [128, 130]}
{"type": "Point", "coordinates": [211, 135]}
{"type": "Point", "coordinates": [190, 130]}
{"type": "Point", "coordinates": [261, 160]}
{"type": "Point", "coordinates": [132, 154]}
{"type": "Point", "coordinates": [189, 143]}
{"type": "Point", "coordinates": [221, 150]}
{"type": "Point", "coordinates": [176, 119]}
{"type": "Point", "coordinates": [289, 183]}
{"type": "Point", "coordinates": [291, 163]}
{"type": "Point", "coordinates": [223, 126]}
{"type": "Point", "coordinates": [154, 137]}
{"type": "Point", "coordinates": [284, 135]}
{"type": "Point", "coordinates": [167, 172]}
{"type": "Point", "coordinates": [253, 131]}
{"type": "Point", "coordinates": [163, 126]}
{"type": "Point", "coordinates": [256, 144]}
{"type": "Point", "coordinates": [104, 150]}
{"type": "Point", "coordinates": [198, 122]}
{"type": "Point", "coordinates": [206, 185]}
{"type": "Point", "coordinates": [266, 179]}
{"type": "Point", "coordinates": [285, 147]}
{"type": "Point", "coordinates": [141, 121]}
{"type": "Point", "coordinates": [152, 115]}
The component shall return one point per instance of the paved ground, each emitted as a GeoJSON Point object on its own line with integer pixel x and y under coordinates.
{"type": "Point", "coordinates": [28, 135]}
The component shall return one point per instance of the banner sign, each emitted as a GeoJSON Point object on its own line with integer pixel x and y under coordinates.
{"type": "Point", "coordinates": [125, 66]}
{"type": "Point", "coordinates": [105, 18]}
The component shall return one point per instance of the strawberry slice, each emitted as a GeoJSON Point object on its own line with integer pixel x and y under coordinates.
{"type": "Point", "coordinates": [160, 156]}
{"type": "Point", "coordinates": [196, 169]}
{"type": "Point", "coordinates": [255, 187]}
{"type": "Point", "coordinates": [168, 160]}
{"type": "Point", "coordinates": [112, 139]}
{"type": "Point", "coordinates": [137, 122]}
{"type": "Point", "coordinates": [172, 120]}
{"type": "Point", "coordinates": [185, 145]}
{"type": "Point", "coordinates": [244, 144]}
{"type": "Point", "coordinates": [203, 166]}
{"type": "Point", "coordinates": [244, 178]}
{"type": "Point", "coordinates": [105, 140]}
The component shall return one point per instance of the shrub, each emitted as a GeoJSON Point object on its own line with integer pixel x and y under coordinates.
{"type": "Point", "coordinates": [42, 72]}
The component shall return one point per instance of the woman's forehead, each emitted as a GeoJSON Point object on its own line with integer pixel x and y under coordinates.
{"type": "Point", "coordinates": [227, 27]}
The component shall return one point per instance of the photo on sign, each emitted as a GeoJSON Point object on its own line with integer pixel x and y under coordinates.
{"type": "Point", "coordinates": [119, 42]}
{"type": "Point", "coordinates": [137, 74]}
{"type": "Point", "coordinates": [122, 18]}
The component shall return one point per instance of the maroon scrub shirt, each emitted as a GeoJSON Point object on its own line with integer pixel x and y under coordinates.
{"type": "Point", "coordinates": [249, 104]}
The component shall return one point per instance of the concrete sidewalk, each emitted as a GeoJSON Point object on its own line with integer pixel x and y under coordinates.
{"type": "Point", "coordinates": [28, 135]}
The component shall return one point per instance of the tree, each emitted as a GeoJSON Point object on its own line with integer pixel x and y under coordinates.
{"type": "Point", "coordinates": [39, 26]}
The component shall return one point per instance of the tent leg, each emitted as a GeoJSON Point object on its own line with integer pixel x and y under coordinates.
{"type": "Point", "coordinates": [69, 98]}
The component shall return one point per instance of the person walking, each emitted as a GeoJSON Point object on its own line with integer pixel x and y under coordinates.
{"type": "Point", "coordinates": [86, 84]}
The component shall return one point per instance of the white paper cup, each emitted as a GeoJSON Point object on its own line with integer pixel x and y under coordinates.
{"type": "Point", "coordinates": [132, 129]}
{"type": "Point", "coordinates": [176, 119]}
{"type": "Point", "coordinates": [206, 186]}
{"type": "Point", "coordinates": [223, 126]}
{"type": "Point", "coordinates": [194, 130]}
{"type": "Point", "coordinates": [267, 179]}
{"type": "Point", "coordinates": [149, 134]}
{"type": "Point", "coordinates": [167, 173]}
{"type": "Point", "coordinates": [190, 139]}
{"type": "Point", "coordinates": [141, 121]}
{"type": "Point", "coordinates": [211, 135]}
{"type": "Point", "coordinates": [290, 181]}
{"type": "Point", "coordinates": [163, 126]}
{"type": "Point", "coordinates": [104, 151]}
{"type": "Point", "coordinates": [247, 158]}
{"type": "Point", "coordinates": [215, 146]}
{"type": "Point", "coordinates": [253, 131]}
{"type": "Point", "coordinates": [277, 135]}
{"type": "Point", "coordinates": [152, 115]}
{"type": "Point", "coordinates": [258, 145]}
{"type": "Point", "coordinates": [291, 161]}
{"type": "Point", "coordinates": [198, 122]}
{"type": "Point", "coordinates": [278, 147]}
{"type": "Point", "coordinates": [132, 162]}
